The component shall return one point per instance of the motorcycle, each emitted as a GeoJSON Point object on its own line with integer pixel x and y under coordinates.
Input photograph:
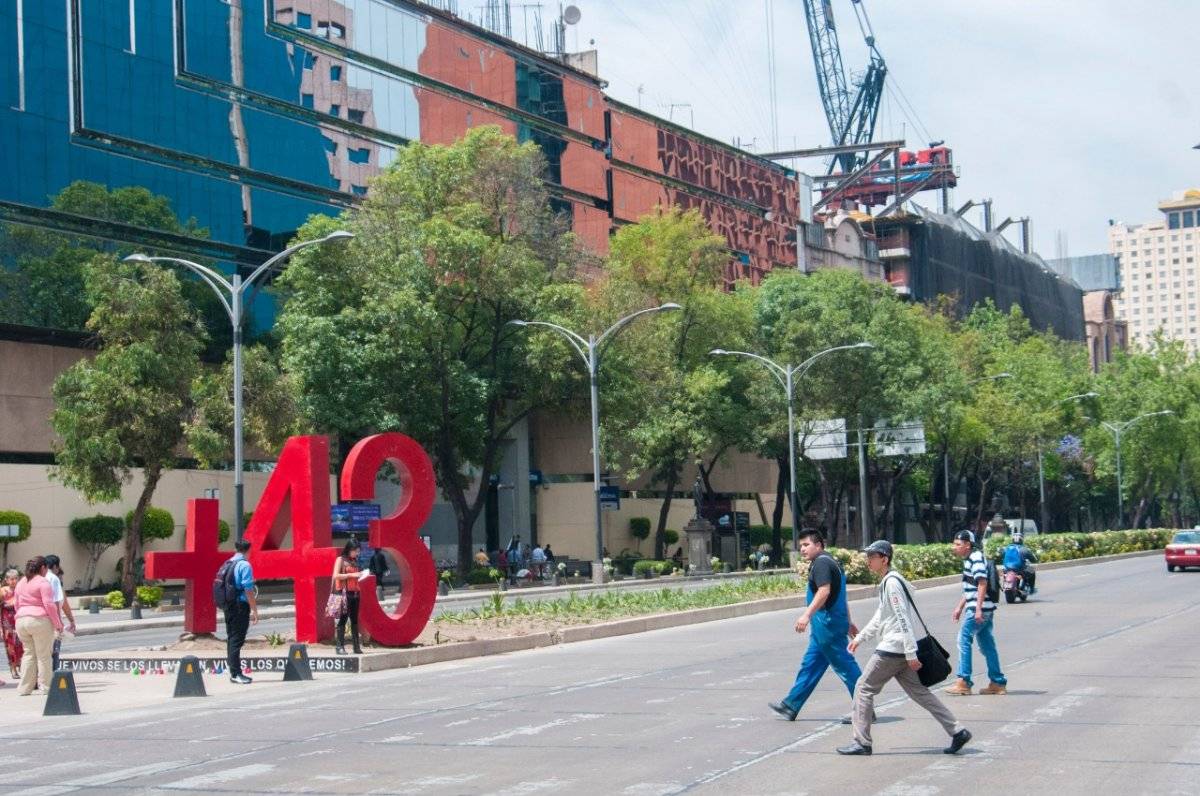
{"type": "Point", "coordinates": [1016, 586]}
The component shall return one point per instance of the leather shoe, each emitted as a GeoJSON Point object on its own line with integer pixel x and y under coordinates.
{"type": "Point", "coordinates": [854, 749]}
{"type": "Point", "coordinates": [957, 741]}
{"type": "Point", "coordinates": [783, 710]}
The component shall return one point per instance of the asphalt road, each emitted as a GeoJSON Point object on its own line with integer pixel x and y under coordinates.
{"type": "Point", "coordinates": [1104, 679]}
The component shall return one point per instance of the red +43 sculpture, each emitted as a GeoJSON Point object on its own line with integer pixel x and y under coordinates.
{"type": "Point", "coordinates": [296, 498]}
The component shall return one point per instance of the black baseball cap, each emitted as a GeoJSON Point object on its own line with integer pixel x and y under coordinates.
{"type": "Point", "coordinates": [881, 547]}
{"type": "Point", "coordinates": [966, 536]}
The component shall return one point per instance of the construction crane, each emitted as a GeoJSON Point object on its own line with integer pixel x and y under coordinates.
{"type": "Point", "coordinates": [852, 108]}
{"type": "Point", "coordinates": [851, 118]}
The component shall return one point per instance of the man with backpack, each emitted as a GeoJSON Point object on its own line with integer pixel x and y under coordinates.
{"type": "Point", "coordinates": [977, 608]}
{"type": "Point", "coordinates": [234, 593]}
{"type": "Point", "coordinates": [895, 657]}
{"type": "Point", "coordinates": [1019, 558]}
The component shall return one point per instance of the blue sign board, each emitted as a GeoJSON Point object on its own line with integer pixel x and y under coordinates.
{"type": "Point", "coordinates": [610, 498]}
{"type": "Point", "coordinates": [353, 517]}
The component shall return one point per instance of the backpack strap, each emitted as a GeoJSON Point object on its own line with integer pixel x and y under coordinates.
{"type": "Point", "coordinates": [907, 594]}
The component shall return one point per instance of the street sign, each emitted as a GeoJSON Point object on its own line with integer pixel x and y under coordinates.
{"type": "Point", "coordinates": [823, 439]}
{"type": "Point", "coordinates": [352, 517]}
{"type": "Point", "coordinates": [610, 498]}
{"type": "Point", "coordinates": [904, 439]}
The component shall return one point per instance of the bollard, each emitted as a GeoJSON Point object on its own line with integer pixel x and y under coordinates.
{"type": "Point", "coordinates": [135, 610]}
{"type": "Point", "coordinates": [94, 607]}
{"type": "Point", "coordinates": [62, 700]}
{"type": "Point", "coordinates": [297, 667]}
{"type": "Point", "coordinates": [189, 683]}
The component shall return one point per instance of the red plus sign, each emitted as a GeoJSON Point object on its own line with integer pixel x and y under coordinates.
{"type": "Point", "coordinates": [198, 565]}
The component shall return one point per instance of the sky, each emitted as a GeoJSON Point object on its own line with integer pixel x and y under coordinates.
{"type": "Point", "coordinates": [1072, 112]}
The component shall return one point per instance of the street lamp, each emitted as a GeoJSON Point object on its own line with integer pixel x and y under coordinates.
{"type": "Point", "coordinates": [787, 376]}
{"type": "Point", "coordinates": [1004, 374]}
{"type": "Point", "coordinates": [1117, 429]}
{"type": "Point", "coordinates": [1042, 469]}
{"type": "Point", "coordinates": [589, 350]}
{"type": "Point", "coordinates": [232, 292]}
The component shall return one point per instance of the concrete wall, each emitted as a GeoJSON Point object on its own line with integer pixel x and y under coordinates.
{"type": "Point", "coordinates": [27, 373]}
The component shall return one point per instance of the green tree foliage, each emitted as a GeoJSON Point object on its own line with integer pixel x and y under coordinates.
{"type": "Point", "coordinates": [97, 534]}
{"type": "Point", "coordinates": [127, 407]}
{"type": "Point", "coordinates": [407, 329]}
{"type": "Point", "coordinates": [24, 527]}
{"type": "Point", "coordinates": [666, 406]}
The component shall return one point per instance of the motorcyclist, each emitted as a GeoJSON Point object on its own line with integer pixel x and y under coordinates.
{"type": "Point", "coordinates": [1020, 559]}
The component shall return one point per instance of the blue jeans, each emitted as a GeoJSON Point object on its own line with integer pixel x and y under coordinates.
{"type": "Point", "coordinates": [825, 649]}
{"type": "Point", "coordinates": [987, 645]}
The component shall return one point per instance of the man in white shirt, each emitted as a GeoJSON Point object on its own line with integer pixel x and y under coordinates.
{"type": "Point", "coordinates": [54, 573]}
{"type": "Point", "coordinates": [895, 658]}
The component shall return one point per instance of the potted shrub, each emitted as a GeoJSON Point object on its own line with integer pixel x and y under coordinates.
{"type": "Point", "coordinates": [639, 529]}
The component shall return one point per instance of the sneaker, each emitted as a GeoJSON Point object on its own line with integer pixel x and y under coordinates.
{"type": "Point", "coordinates": [994, 689]}
{"type": "Point", "coordinates": [240, 679]}
{"type": "Point", "coordinates": [957, 741]}
{"type": "Point", "coordinates": [960, 688]}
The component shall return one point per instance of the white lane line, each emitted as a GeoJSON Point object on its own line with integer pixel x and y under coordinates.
{"type": "Point", "coordinates": [204, 781]}
{"type": "Point", "coordinates": [100, 780]}
{"type": "Point", "coordinates": [425, 783]}
{"type": "Point", "coordinates": [532, 729]}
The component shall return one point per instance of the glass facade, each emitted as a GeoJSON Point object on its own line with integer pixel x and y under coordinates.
{"type": "Point", "coordinates": [250, 115]}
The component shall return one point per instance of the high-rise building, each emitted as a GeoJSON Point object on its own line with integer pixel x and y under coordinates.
{"type": "Point", "coordinates": [1158, 272]}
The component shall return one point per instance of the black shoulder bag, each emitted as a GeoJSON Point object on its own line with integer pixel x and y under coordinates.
{"type": "Point", "coordinates": [935, 660]}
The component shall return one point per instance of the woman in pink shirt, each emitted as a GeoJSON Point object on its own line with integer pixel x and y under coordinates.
{"type": "Point", "coordinates": [37, 621]}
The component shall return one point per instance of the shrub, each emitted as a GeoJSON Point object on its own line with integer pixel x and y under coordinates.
{"type": "Point", "coordinates": [19, 519]}
{"type": "Point", "coordinates": [223, 531]}
{"type": "Point", "coordinates": [639, 528]}
{"type": "Point", "coordinates": [156, 524]}
{"type": "Point", "coordinates": [760, 535]}
{"type": "Point", "coordinates": [115, 600]}
{"type": "Point", "coordinates": [625, 560]}
{"type": "Point", "coordinates": [640, 568]}
{"type": "Point", "coordinates": [481, 575]}
{"type": "Point", "coordinates": [149, 596]}
{"type": "Point", "coordinates": [670, 537]}
{"type": "Point", "coordinates": [97, 534]}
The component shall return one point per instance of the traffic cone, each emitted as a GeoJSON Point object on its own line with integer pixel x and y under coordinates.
{"type": "Point", "coordinates": [62, 700]}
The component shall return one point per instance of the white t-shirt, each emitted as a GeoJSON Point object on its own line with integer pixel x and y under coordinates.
{"type": "Point", "coordinates": [55, 586]}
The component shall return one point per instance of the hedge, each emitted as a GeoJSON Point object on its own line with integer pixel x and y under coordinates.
{"type": "Point", "coordinates": [938, 560]}
{"type": "Point", "coordinates": [640, 568]}
{"type": "Point", "coordinates": [156, 523]}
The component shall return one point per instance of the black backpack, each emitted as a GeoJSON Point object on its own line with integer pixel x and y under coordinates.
{"type": "Point", "coordinates": [993, 582]}
{"type": "Point", "coordinates": [225, 591]}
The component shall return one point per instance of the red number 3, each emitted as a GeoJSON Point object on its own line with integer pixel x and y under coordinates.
{"type": "Point", "coordinates": [398, 533]}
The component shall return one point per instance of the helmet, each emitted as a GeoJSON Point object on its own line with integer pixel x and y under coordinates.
{"type": "Point", "coordinates": [1017, 537]}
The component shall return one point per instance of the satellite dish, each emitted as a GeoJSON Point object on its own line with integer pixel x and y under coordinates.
{"type": "Point", "coordinates": [571, 15]}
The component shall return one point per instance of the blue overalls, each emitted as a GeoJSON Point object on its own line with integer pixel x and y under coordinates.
{"type": "Point", "coordinates": [826, 647]}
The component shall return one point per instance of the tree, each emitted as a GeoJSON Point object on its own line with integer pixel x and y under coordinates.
{"type": "Point", "coordinates": [24, 526]}
{"type": "Point", "coordinates": [97, 534]}
{"type": "Point", "coordinates": [128, 406]}
{"type": "Point", "coordinates": [406, 328]}
{"type": "Point", "coordinates": [666, 404]}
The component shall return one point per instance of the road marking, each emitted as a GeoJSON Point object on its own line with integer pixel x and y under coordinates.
{"type": "Point", "coordinates": [533, 729]}
{"type": "Point", "coordinates": [531, 787]}
{"type": "Point", "coordinates": [204, 781]}
{"type": "Point", "coordinates": [100, 780]}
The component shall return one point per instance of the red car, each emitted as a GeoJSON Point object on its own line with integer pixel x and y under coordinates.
{"type": "Point", "coordinates": [1183, 551]}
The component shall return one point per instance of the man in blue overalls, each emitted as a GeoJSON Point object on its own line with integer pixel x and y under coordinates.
{"type": "Point", "coordinates": [828, 615]}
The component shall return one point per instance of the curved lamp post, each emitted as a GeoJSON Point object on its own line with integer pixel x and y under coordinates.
{"type": "Point", "coordinates": [232, 292]}
{"type": "Point", "coordinates": [787, 375]}
{"type": "Point", "coordinates": [1117, 429]}
{"type": "Point", "coordinates": [590, 349]}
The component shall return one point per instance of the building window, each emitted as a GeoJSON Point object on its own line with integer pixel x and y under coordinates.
{"type": "Point", "coordinates": [362, 155]}
{"type": "Point", "coordinates": [1172, 221]}
{"type": "Point", "coordinates": [335, 110]}
{"type": "Point", "coordinates": [330, 145]}
{"type": "Point", "coordinates": [358, 190]}
{"type": "Point", "coordinates": [306, 100]}
{"type": "Point", "coordinates": [335, 73]}
{"type": "Point", "coordinates": [304, 21]}
{"type": "Point", "coordinates": [1188, 219]}
{"type": "Point", "coordinates": [310, 60]}
{"type": "Point", "coordinates": [356, 116]}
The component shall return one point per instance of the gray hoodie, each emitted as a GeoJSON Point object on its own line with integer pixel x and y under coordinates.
{"type": "Point", "coordinates": [891, 623]}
